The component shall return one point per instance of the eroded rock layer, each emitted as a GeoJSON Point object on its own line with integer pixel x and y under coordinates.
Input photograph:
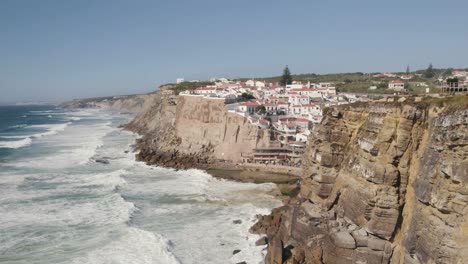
{"type": "Point", "coordinates": [382, 183]}
{"type": "Point", "coordinates": [193, 131]}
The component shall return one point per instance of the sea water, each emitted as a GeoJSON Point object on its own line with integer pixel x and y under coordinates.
{"type": "Point", "coordinates": [58, 205]}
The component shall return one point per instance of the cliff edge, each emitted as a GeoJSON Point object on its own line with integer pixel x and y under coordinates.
{"type": "Point", "coordinates": [382, 183]}
{"type": "Point", "coordinates": [194, 132]}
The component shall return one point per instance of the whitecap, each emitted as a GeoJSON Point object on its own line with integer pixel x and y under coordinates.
{"type": "Point", "coordinates": [52, 129]}
{"type": "Point", "coordinates": [134, 246]}
{"type": "Point", "coordinates": [16, 144]}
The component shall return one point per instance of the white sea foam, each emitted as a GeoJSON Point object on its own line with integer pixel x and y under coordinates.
{"type": "Point", "coordinates": [26, 140]}
{"type": "Point", "coordinates": [52, 129]}
{"type": "Point", "coordinates": [182, 216]}
{"type": "Point", "coordinates": [112, 179]}
{"type": "Point", "coordinates": [135, 246]}
{"type": "Point", "coordinates": [25, 136]}
{"type": "Point", "coordinates": [16, 144]}
{"type": "Point", "coordinates": [101, 211]}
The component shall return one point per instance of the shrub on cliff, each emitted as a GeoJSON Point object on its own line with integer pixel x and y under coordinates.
{"type": "Point", "coordinates": [247, 96]}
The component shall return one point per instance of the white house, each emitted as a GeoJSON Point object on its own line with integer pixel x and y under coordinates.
{"type": "Point", "coordinates": [310, 109]}
{"type": "Point", "coordinates": [299, 99]}
{"type": "Point", "coordinates": [271, 107]}
{"type": "Point", "coordinates": [250, 83]}
{"type": "Point", "coordinates": [288, 128]}
{"type": "Point", "coordinates": [314, 93]}
{"type": "Point", "coordinates": [253, 83]}
{"type": "Point", "coordinates": [263, 123]}
{"type": "Point", "coordinates": [459, 73]}
{"type": "Point", "coordinates": [396, 85]}
{"type": "Point", "coordinates": [294, 86]}
{"type": "Point", "coordinates": [295, 110]}
{"type": "Point", "coordinates": [209, 90]}
{"type": "Point", "coordinates": [179, 80]}
{"type": "Point", "coordinates": [248, 108]}
{"type": "Point", "coordinates": [327, 91]}
{"type": "Point", "coordinates": [300, 123]}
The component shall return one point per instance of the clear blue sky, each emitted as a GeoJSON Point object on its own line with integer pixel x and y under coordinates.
{"type": "Point", "coordinates": [58, 50]}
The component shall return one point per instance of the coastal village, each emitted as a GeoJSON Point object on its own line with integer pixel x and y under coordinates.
{"type": "Point", "coordinates": [290, 110]}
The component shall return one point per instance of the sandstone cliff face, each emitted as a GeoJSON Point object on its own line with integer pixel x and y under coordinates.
{"type": "Point", "coordinates": [192, 131]}
{"type": "Point", "coordinates": [382, 183]}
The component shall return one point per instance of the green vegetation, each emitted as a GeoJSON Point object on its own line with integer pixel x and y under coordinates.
{"type": "Point", "coordinates": [358, 82]}
{"type": "Point", "coordinates": [286, 78]}
{"type": "Point", "coordinates": [247, 96]}
{"type": "Point", "coordinates": [429, 73]}
{"type": "Point", "coordinates": [452, 80]}
{"type": "Point", "coordinates": [189, 86]}
{"type": "Point", "coordinates": [288, 190]}
{"type": "Point", "coordinates": [260, 109]}
{"type": "Point", "coordinates": [451, 103]}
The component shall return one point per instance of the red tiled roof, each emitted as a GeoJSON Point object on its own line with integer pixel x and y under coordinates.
{"type": "Point", "coordinates": [249, 104]}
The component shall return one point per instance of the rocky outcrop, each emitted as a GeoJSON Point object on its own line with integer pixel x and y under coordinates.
{"type": "Point", "coordinates": [193, 131]}
{"type": "Point", "coordinates": [382, 183]}
{"type": "Point", "coordinates": [132, 104]}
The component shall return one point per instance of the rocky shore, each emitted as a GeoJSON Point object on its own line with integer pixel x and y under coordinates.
{"type": "Point", "coordinates": [380, 182]}
{"type": "Point", "coordinates": [185, 132]}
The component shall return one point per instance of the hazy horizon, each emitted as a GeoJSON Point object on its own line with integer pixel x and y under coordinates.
{"type": "Point", "coordinates": [58, 51]}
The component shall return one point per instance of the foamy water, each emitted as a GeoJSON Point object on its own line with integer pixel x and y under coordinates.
{"type": "Point", "coordinates": [57, 205]}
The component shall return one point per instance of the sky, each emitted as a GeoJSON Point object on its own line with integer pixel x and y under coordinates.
{"type": "Point", "coordinates": [55, 50]}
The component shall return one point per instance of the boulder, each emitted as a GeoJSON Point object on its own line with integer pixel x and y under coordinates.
{"type": "Point", "coordinates": [262, 241]}
{"type": "Point", "coordinates": [376, 244]}
{"type": "Point", "coordinates": [275, 251]}
{"type": "Point", "coordinates": [103, 161]}
{"type": "Point", "coordinates": [343, 239]}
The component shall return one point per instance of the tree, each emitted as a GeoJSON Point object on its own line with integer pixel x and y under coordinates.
{"type": "Point", "coordinates": [247, 96]}
{"type": "Point", "coordinates": [429, 73]}
{"type": "Point", "coordinates": [286, 78]}
{"type": "Point", "coordinates": [261, 109]}
{"type": "Point", "coordinates": [407, 70]}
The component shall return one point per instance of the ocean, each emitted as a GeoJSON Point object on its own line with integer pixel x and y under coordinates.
{"type": "Point", "coordinates": [58, 205]}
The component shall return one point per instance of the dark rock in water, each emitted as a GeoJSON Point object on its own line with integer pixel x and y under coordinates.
{"type": "Point", "coordinates": [243, 262]}
{"type": "Point", "coordinates": [126, 151]}
{"type": "Point", "coordinates": [236, 251]}
{"type": "Point", "coordinates": [103, 161]}
{"type": "Point", "coordinates": [238, 221]}
{"type": "Point", "coordinates": [262, 241]}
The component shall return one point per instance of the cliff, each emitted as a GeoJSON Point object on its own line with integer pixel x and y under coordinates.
{"type": "Point", "coordinates": [382, 183]}
{"type": "Point", "coordinates": [133, 104]}
{"type": "Point", "coordinates": [192, 131]}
